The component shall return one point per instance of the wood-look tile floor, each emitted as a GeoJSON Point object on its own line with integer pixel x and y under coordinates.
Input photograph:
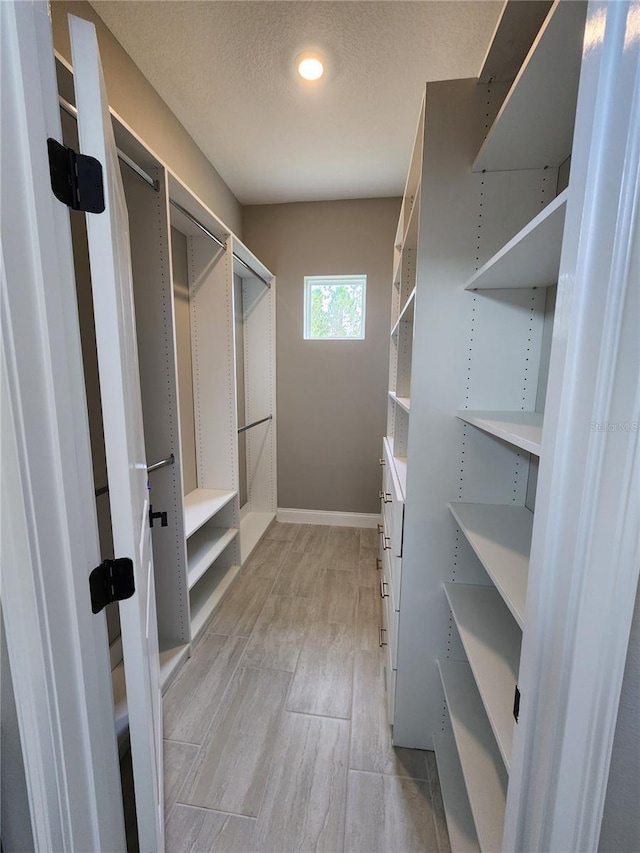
{"type": "Point", "coordinates": [276, 737]}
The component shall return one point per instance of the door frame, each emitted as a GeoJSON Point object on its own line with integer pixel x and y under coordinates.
{"type": "Point", "coordinates": [585, 553]}
{"type": "Point", "coordinates": [57, 648]}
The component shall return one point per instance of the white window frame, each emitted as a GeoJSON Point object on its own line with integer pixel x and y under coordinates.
{"type": "Point", "coordinates": [312, 280]}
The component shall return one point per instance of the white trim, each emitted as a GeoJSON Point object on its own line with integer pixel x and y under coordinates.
{"type": "Point", "coordinates": [335, 519]}
{"type": "Point", "coordinates": [585, 554]}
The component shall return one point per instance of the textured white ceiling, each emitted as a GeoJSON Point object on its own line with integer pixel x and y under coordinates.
{"type": "Point", "coordinates": [226, 69]}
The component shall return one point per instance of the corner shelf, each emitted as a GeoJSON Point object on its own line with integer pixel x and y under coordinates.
{"type": "Point", "coordinates": [534, 127]}
{"type": "Point", "coordinates": [484, 774]}
{"type": "Point", "coordinates": [201, 505]}
{"type": "Point", "coordinates": [501, 539]}
{"type": "Point", "coordinates": [531, 258]}
{"type": "Point", "coordinates": [522, 429]}
{"type": "Point", "coordinates": [491, 640]}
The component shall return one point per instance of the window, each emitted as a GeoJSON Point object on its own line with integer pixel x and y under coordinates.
{"type": "Point", "coordinates": [334, 307]}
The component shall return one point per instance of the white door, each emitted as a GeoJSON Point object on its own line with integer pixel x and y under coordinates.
{"type": "Point", "coordinates": [112, 288]}
{"type": "Point", "coordinates": [57, 648]}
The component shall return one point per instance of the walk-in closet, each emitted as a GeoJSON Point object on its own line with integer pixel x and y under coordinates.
{"type": "Point", "coordinates": [412, 625]}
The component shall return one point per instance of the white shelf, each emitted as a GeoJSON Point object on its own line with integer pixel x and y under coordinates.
{"type": "Point", "coordinates": [492, 641]}
{"type": "Point", "coordinates": [462, 832]}
{"type": "Point", "coordinates": [205, 546]}
{"type": "Point", "coordinates": [253, 527]}
{"type": "Point", "coordinates": [484, 774]}
{"type": "Point", "coordinates": [201, 505]}
{"type": "Point", "coordinates": [534, 127]}
{"type": "Point", "coordinates": [171, 658]}
{"type": "Point", "coordinates": [501, 539]}
{"type": "Point", "coordinates": [403, 402]}
{"type": "Point", "coordinates": [406, 315]}
{"type": "Point", "coordinates": [522, 429]}
{"type": "Point", "coordinates": [207, 594]}
{"type": "Point", "coordinates": [531, 258]}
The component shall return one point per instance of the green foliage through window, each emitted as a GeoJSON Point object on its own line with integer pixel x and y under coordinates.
{"type": "Point", "coordinates": [334, 307]}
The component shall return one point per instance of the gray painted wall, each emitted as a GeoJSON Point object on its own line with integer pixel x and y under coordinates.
{"type": "Point", "coordinates": [137, 102]}
{"type": "Point", "coordinates": [332, 395]}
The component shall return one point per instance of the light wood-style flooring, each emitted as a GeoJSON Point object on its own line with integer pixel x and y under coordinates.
{"type": "Point", "coordinates": [276, 738]}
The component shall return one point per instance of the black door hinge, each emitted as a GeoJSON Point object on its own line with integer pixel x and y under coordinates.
{"type": "Point", "coordinates": [76, 179]}
{"type": "Point", "coordinates": [516, 704]}
{"type": "Point", "coordinates": [161, 515]}
{"type": "Point", "coordinates": [111, 581]}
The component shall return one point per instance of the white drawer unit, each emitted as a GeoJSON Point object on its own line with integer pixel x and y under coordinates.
{"type": "Point", "coordinates": [392, 530]}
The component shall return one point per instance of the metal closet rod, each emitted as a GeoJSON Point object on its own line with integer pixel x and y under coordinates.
{"type": "Point", "coordinates": [103, 490]}
{"type": "Point", "coordinates": [255, 423]}
{"type": "Point", "coordinates": [202, 227]}
{"type": "Point", "coordinates": [73, 112]}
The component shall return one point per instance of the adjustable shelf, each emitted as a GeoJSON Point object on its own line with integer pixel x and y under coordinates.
{"type": "Point", "coordinates": [522, 429]}
{"type": "Point", "coordinates": [207, 594]}
{"type": "Point", "coordinates": [491, 640]}
{"type": "Point", "coordinates": [204, 547]}
{"type": "Point", "coordinates": [407, 312]}
{"type": "Point", "coordinates": [531, 258]}
{"type": "Point", "coordinates": [534, 127]}
{"type": "Point", "coordinates": [403, 402]}
{"type": "Point", "coordinates": [501, 539]}
{"type": "Point", "coordinates": [201, 505]}
{"type": "Point", "coordinates": [462, 831]}
{"type": "Point", "coordinates": [484, 774]}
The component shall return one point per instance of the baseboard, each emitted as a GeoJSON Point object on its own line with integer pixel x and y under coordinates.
{"type": "Point", "coordinates": [336, 519]}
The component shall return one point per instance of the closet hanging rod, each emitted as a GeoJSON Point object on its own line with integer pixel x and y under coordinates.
{"type": "Point", "coordinates": [73, 112]}
{"type": "Point", "coordinates": [197, 223]}
{"type": "Point", "coordinates": [251, 269]}
{"type": "Point", "coordinates": [202, 227]}
{"type": "Point", "coordinates": [161, 464]}
{"type": "Point", "coordinates": [255, 423]}
{"type": "Point", "coordinates": [103, 490]}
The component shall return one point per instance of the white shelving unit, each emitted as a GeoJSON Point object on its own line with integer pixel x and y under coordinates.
{"type": "Point", "coordinates": [491, 641]}
{"type": "Point", "coordinates": [478, 253]}
{"type": "Point", "coordinates": [198, 554]}
{"type": "Point", "coordinates": [483, 771]}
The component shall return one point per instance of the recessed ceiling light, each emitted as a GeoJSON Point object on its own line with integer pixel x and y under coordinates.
{"type": "Point", "coordinates": [310, 66]}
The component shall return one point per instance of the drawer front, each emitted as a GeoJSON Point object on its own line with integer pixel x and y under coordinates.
{"type": "Point", "coordinates": [390, 612]}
